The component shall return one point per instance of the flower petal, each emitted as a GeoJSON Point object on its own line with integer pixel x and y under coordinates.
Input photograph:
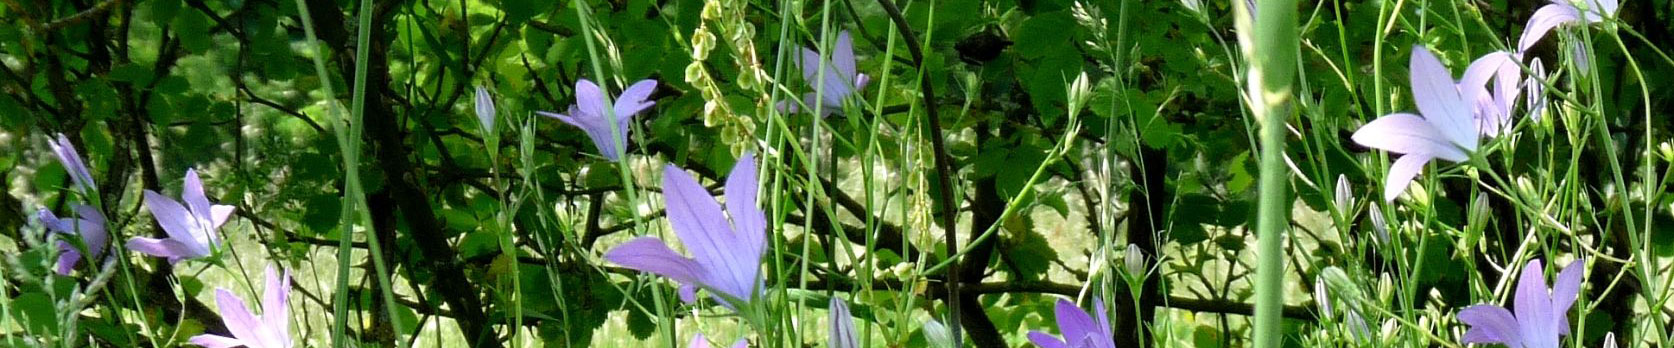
{"type": "Point", "coordinates": [72, 162]}
{"type": "Point", "coordinates": [698, 342]}
{"type": "Point", "coordinates": [174, 218]}
{"type": "Point", "coordinates": [168, 248]}
{"type": "Point", "coordinates": [1073, 323]}
{"type": "Point", "coordinates": [1565, 290]}
{"type": "Point", "coordinates": [843, 334]}
{"type": "Point", "coordinates": [649, 254]}
{"type": "Point", "coordinates": [748, 223]}
{"type": "Point", "coordinates": [240, 322]}
{"type": "Point", "coordinates": [215, 341]}
{"type": "Point", "coordinates": [485, 109]}
{"type": "Point", "coordinates": [842, 55]}
{"type": "Point", "coordinates": [1043, 340]}
{"type": "Point", "coordinates": [1490, 324]}
{"type": "Point", "coordinates": [1439, 101]}
{"type": "Point", "coordinates": [1401, 174]}
{"type": "Point", "coordinates": [635, 99]}
{"type": "Point", "coordinates": [705, 232]}
{"type": "Point", "coordinates": [67, 260]}
{"type": "Point", "coordinates": [1533, 304]}
{"type": "Point", "coordinates": [276, 313]}
{"type": "Point", "coordinates": [1408, 134]}
{"type": "Point", "coordinates": [1543, 20]}
{"type": "Point", "coordinates": [589, 99]}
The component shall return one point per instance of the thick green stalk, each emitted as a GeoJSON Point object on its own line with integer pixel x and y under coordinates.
{"type": "Point", "coordinates": [1270, 49]}
{"type": "Point", "coordinates": [354, 197]}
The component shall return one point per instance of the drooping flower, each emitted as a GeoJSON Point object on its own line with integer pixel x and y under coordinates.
{"type": "Point", "coordinates": [698, 341]}
{"type": "Point", "coordinates": [1492, 109]}
{"type": "Point", "coordinates": [590, 114]}
{"type": "Point", "coordinates": [843, 334]}
{"type": "Point", "coordinates": [485, 109]}
{"type": "Point", "coordinates": [1078, 328]}
{"type": "Point", "coordinates": [1561, 12]}
{"type": "Point", "coordinates": [191, 228]}
{"type": "Point", "coordinates": [834, 80]}
{"type": "Point", "coordinates": [726, 256]}
{"type": "Point", "coordinates": [1447, 129]}
{"type": "Point", "coordinates": [1541, 314]}
{"type": "Point", "coordinates": [272, 329]}
{"type": "Point", "coordinates": [89, 225]}
{"type": "Point", "coordinates": [71, 159]}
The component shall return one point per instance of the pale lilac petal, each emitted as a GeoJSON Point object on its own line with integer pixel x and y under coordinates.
{"type": "Point", "coordinates": [67, 260]}
{"type": "Point", "coordinates": [1565, 290]}
{"type": "Point", "coordinates": [698, 342]}
{"type": "Point", "coordinates": [635, 99]}
{"type": "Point", "coordinates": [810, 63]}
{"type": "Point", "coordinates": [215, 341]}
{"type": "Point", "coordinates": [843, 334]}
{"type": "Point", "coordinates": [485, 109]}
{"type": "Point", "coordinates": [1401, 174]}
{"type": "Point", "coordinates": [174, 218]}
{"type": "Point", "coordinates": [236, 315]}
{"type": "Point", "coordinates": [1073, 323]}
{"type": "Point", "coordinates": [1106, 338]}
{"type": "Point", "coordinates": [168, 248]}
{"type": "Point", "coordinates": [748, 222]}
{"type": "Point", "coordinates": [1533, 304]}
{"type": "Point", "coordinates": [1490, 324]}
{"type": "Point", "coordinates": [1597, 10]}
{"type": "Point", "coordinates": [218, 215]}
{"type": "Point", "coordinates": [589, 99]}
{"type": "Point", "coordinates": [1439, 101]}
{"type": "Point", "coordinates": [72, 162]}
{"type": "Point", "coordinates": [192, 195]}
{"type": "Point", "coordinates": [1609, 340]}
{"type": "Point", "coordinates": [1043, 340]}
{"type": "Point", "coordinates": [276, 313]}
{"type": "Point", "coordinates": [648, 254]}
{"type": "Point", "coordinates": [92, 229]}
{"type": "Point", "coordinates": [842, 55]}
{"type": "Point", "coordinates": [1408, 134]}
{"type": "Point", "coordinates": [744, 344]}
{"type": "Point", "coordinates": [562, 117]}
{"type": "Point", "coordinates": [1543, 20]}
{"type": "Point", "coordinates": [861, 80]}
{"type": "Point", "coordinates": [697, 220]}
{"type": "Point", "coordinates": [1486, 67]}
{"type": "Point", "coordinates": [688, 293]}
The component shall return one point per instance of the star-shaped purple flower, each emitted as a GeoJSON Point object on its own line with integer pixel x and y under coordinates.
{"type": "Point", "coordinates": [839, 77]}
{"type": "Point", "coordinates": [590, 115]}
{"type": "Point", "coordinates": [726, 256]}
{"type": "Point", "coordinates": [1541, 314]}
{"type": "Point", "coordinates": [843, 334]}
{"type": "Point", "coordinates": [1078, 328]}
{"type": "Point", "coordinates": [89, 225]}
{"type": "Point", "coordinates": [272, 329]}
{"type": "Point", "coordinates": [191, 228]}
{"type": "Point", "coordinates": [1448, 128]}
{"type": "Point", "coordinates": [71, 159]}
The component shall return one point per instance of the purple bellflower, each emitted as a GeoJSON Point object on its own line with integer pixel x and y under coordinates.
{"type": "Point", "coordinates": [590, 114]}
{"type": "Point", "coordinates": [726, 256]}
{"type": "Point", "coordinates": [843, 334]}
{"type": "Point", "coordinates": [191, 228]}
{"type": "Point", "coordinates": [1078, 328]}
{"type": "Point", "coordinates": [698, 341]}
{"type": "Point", "coordinates": [90, 225]}
{"type": "Point", "coordinates": [1447, 130]}
{"type": "Point", "coordinates": [1492, 106]}
{"type": "Point", "coordinates": [1561, 12]}
{"type": "Point", "coordinates": [71, 159]}
{"type": "Point", "coordinates": [272, 329]}
{"type": "Point", "coordinates": [839, 77]}
{"type": "Point", "coordinates": [1541, 314]}
{"type": "Point", "coordinates": [485, 109]}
